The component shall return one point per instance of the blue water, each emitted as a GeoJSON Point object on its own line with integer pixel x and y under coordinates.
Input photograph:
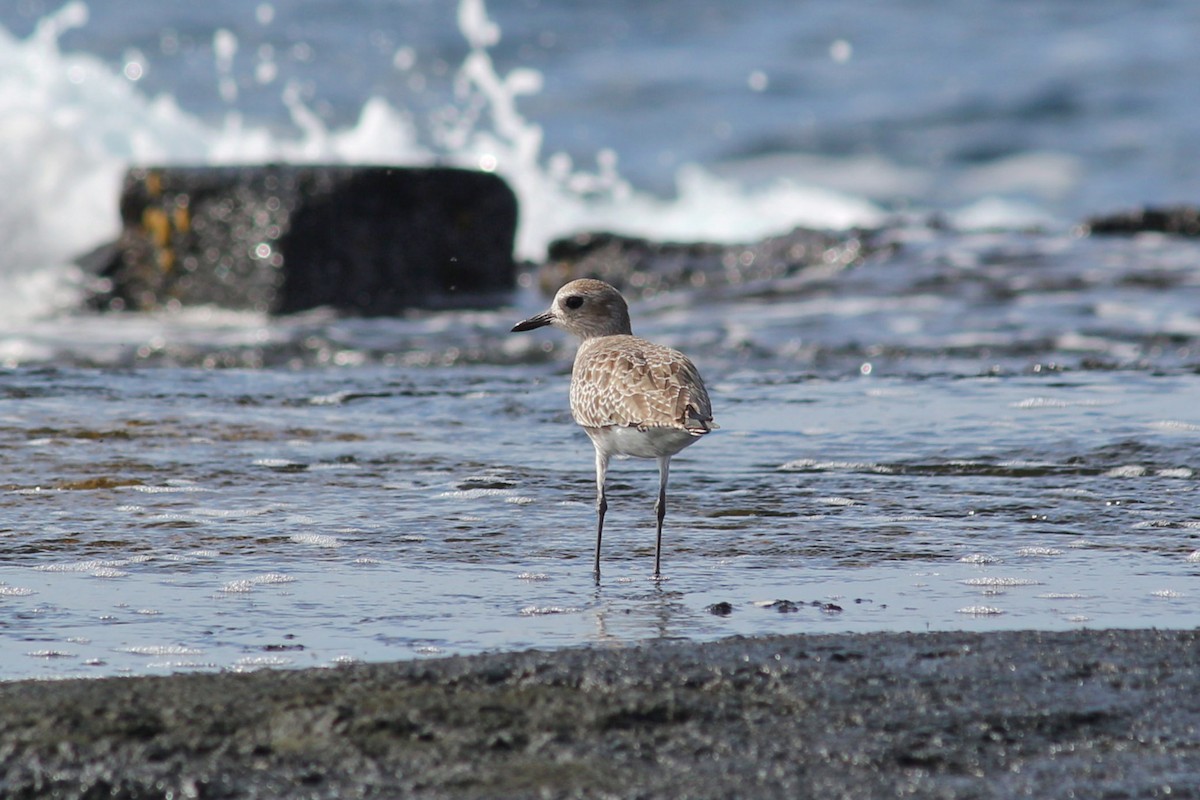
{"type": "Point", "coordinates": [1072, 107]}
{"type": "Point", "coordinates": [990, 423]}
{"type": "Point", "coordinates": [166, 519]}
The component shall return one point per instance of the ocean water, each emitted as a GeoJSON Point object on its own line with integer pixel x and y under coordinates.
{"type": "Point", "coordinates": [989, 423]}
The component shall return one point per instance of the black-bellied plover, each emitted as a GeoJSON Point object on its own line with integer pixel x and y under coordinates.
{"type": "Point", "coordinates": [631, 396]}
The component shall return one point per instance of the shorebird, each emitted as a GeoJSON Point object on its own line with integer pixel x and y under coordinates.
{"type": "Point", "coordinates": [632, 397]}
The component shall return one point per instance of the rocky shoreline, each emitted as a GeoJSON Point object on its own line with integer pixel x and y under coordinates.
{"type": "Point", "coordinates": [379, 240]}
{"type": "Point", "coordinates": [1047, 714]}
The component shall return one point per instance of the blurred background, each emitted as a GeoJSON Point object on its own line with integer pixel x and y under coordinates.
{"type": "Point", "coordinates": [674, 119]}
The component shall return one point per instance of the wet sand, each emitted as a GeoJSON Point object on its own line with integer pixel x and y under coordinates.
{"type": "Point", "coordinates": [1085, 714]}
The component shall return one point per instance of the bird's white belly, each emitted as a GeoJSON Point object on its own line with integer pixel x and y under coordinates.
{"type": "Point", "coordinates": [649, 443]}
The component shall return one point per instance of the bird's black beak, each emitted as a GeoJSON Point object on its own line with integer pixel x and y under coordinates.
{"type": "Point", "coordinates": [537, 321]}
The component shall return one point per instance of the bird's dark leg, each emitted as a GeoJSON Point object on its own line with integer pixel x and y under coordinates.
{"type": "Point", "coordinates": [601, 506]}
{"type": "Point", "coordinates": [664, 469]}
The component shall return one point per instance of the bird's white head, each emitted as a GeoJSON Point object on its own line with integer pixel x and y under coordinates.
{"type": "Point", "coordinates": [586, 308]}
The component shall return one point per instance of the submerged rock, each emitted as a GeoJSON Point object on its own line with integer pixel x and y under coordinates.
{"type": "Point", "coordinates": [643, 267]}
{"type": "Point", "coordinates": [284, 238]}
{"type": "Point", "coordinates": [1179, 220]}
{"type": "Point", "coordinates": [721, 609]}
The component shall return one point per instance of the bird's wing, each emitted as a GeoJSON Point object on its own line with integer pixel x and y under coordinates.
{"type": "Point", "coordinates": [632, 382]}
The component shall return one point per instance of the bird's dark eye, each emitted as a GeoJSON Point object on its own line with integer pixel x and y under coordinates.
{"type": "Point", "coordinates": [574, 301]}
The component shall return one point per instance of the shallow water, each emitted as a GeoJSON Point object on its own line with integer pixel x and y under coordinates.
{"type": "Point", "coordinates": [990, 422]}
{"type": "Point", "coordinates": [898, 451]}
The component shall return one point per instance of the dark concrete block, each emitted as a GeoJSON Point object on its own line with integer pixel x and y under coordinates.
{"type": "Point", "coordinates": [1178, 220]}
{"type": "Point", "coordinates": [284, 238]}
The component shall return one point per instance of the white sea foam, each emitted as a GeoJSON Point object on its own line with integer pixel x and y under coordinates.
{"type": "Point", "coordinates": [980, 611]}
{"type": "Point", "coordinates": [315, 539]}
{"type": "Point", "coordinates": [1126, 471]}
{"type": "Point", "coordinates": [997, 581]}
{"type": "Point", "coordinates": [160, 650]}
{"type": "Point", "coordinates": [50, 653]}
{"type": "Point", "coordinates": [1038, 552]}
{"type": "Point", "coordinates": [247, 585]}
{"type": "Point", "coordinates": [542, 611]}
